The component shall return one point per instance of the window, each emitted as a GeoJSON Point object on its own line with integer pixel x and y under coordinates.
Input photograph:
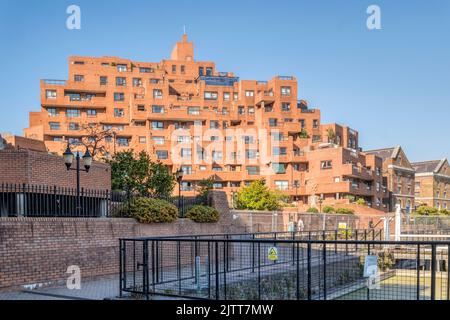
{"type": "Point", "coordinates": [118, 112]}
{"type": "Point", "coordinates": [57, 139]}
{"type": "Point", "coordinates": [142, 139]}
{"type": "Point", "coordinates": [107, 127]}
{"type": "Point", "coordinates": [252, 170]}
{"type": "Point", "coordinates": [248, 139]}
{"type": "Point", "coordinates": [326, 164]}
{"type": "Point", "coordinates": [78, 78]}
{"type": "Point", "coordinates": [121, 67]}
{"type": "Point", "coordinates": [279, 168]}
{"type": "Point", "coordinates": [186, 169]}
{"type": "Point", "coordinates": [50, 94]}
{"type": "Point", "coordinates": [139, 123]}
{"type": "Point", "coordinates": [217, 169]}
{"type": "Point", "coordinates": [137, 82]}
{"type": "Point", "coordinates": [123, 142]}
{"type": "Point", "coordinates": [119, 96]}
{"type": "Point", "coordinates": [282, 185]}
{"type": "Point", "coordinates": [145, 70]}
{"type": "Point", "coordinates": [251, 154]}
{"type": "Point", "coordinates": [121, 81]}
{"type": "Point", "coordinates": [249, 93]}
{"type": "Point", "coordinates": [78, 62]}
{"type": "Point", "coordinates": [186, 153]}
{"type": "Point", "coordinates": [157, 125]}
{"type": "Point", "coordinates": [268, 108]}
{"type": "Point", "coordinates": [141, 107]}
{"type": "Point", "coordinates": [158, 140]}
{"type": "Point", "coordinates": [91, 112]}
{"type": "Point", "coordinates": [210, 95]}
{"type": "Point", "coordinates": [285, 91]}
{"type": "Point", "coordinates": [157, 94]}
{"type": "Point", "coordinates": [120, 127]}
{"type": "Point", "coordinates": [302, 123]}
{"type": "Point", "coordinates": [315, 123]}
{"type": "Point", "coordinates": [209, 71]}
{"type": "Point", "coordinates": [174, 68]}
{"type": "Point", "coordinates": [200, 71]}
{"type": "Point", "coordinates": [202, 168]}
{"type": "Point", "coordinates": [74, 141]}
{"type": "Point", "coordinates": [194, 110]}
{"type": "Point", "coordinates": [74, 126]}
{"type": "Point", "coordinates": [157, 109]}
{"type": "Point", "coordinates": [285, 106]}
{"type": "Point", "coordinates": [279, 151]}
{"type": "Point", "coordinates": [277, 136]}
{"type": "Point", "coordinates": [182, 69]}
{"type": "Point", "coordinates": [251, 110]}
{"type": "Point", "coordinates": [273, 122]}
{"type": "Point", "coordinates": [72, 113]}
{"type": "Point", "coordinates": [226, 96]}
{"type": "Point", "coordinates": [241, 110]}
{"type": "Point", "coordinates": [217, 155]}
{"type": "Point", "coordinates": [103, 80]}
{"type": "Point", "coordinates": [214, 124]}
{"type": "Point", "coordinates": [235, 96]}
{"type": "Point", "coordinates": [54, 125]}
{"type": "Point", "coordinates": [52, 112]}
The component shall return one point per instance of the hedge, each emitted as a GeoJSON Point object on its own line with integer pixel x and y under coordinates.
{"type": "Point", "coordinates": [147, 210]}
{"type": "Point", "coordinates": [344, 211]}
{"type": "Point", "coordinates": [200, 213]}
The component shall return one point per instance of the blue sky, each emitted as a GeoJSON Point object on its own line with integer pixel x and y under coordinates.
{"type": "Point", "coordinates": [392, 85]}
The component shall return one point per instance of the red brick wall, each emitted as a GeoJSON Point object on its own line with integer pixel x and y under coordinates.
{"type": "Point", "coordinates": [40, 168]}
{"type": "Point", "coordinates": [39, 250]}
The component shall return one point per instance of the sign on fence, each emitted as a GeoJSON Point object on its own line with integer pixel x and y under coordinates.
{"type": "Point", "coordinates": [342, 225]}
{"type": "Point", "coordinates": [272, 253]}
{"type": "Point", "coordinates": [371, 271]}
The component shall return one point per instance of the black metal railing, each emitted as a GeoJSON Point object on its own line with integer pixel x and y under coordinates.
{"type": "Point", "coordinates": [53, 201]}
{"type": "Point", "coordinates": [307, 265]}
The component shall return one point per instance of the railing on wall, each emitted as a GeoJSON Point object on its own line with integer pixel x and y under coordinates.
{"type": "Point", "coordinates": [22, 200]}
{"type": "Point", "coordinates": [305, 265]}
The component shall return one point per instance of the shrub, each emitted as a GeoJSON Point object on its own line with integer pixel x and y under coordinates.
{"type": "Point", "coordinates": [444, 211]}
{"type": "Point", "coordinates": [147, 210]}
{"type": "Point", "coordinates": [426, 210]}
{"type": "Point", "coordinates": [328, 209]}
{"type": "Point", "coordinates": [345, 211]}
{"type": "Point", "coordinates": [312, 210]}
{"type": "Point", "coordinates": [200, 213]}
{"type": "Point", "coordinates": [361, 202]}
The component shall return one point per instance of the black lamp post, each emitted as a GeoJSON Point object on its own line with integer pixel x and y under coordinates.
{"type": "Point", "coordinates": [179, 177]}
{"type": "Point", "coordinates": [87, 162]}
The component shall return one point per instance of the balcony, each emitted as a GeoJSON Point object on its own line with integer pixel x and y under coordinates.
{"type": "Point", "coordinates": [54, 82]}
{"type": "Point", "coordinates": [67, 101]}
{"type": "Point", "coordinates": [353, 171]}
{"type": "Point", "coordinates": [264, 97]}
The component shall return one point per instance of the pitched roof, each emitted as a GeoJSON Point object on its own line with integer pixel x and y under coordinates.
{"type": "Point", "coordinates": [426, 166]}
{"type": "Point", "coordinates": [384, 153]}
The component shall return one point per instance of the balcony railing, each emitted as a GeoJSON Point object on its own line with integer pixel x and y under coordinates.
{"type": "Point", "coordinates": [55, 82]}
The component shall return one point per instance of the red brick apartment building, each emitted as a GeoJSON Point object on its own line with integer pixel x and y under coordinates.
{"type": "Point", "coordinates": [189, 115]}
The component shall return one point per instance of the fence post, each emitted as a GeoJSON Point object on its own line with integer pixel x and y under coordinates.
{"type": "Point", "coordinates": [324, 253]}
{"type": "Point", "coordinates": [309, 269]}
{"type": "Point", "coordinates": [418, 273]}
{"type": "Point", "coordinates": [259, 270]}
{"type": "Point", "coordinates": [433, 272]}
{"type": "Point", "coordinates": [225, 262]}
{"type": "Point", "coordinates": [121, 261]}
{"type": "Point", "coordinates": [298, 271]}
{"type": "Point", "coordinates": [217, 269]}
{"type": "Point", "coordinates": [448, 272]}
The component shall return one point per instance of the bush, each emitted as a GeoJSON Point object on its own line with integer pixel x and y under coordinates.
{"type": "Point", "coordinates": [444, 211]}
{"type": "Point", "coordinates": [426, 210]}
{"type": "Point", "coordinates": [345, 211]}
{"type": "Point", "coordinates": [361, 202]}
{"type": "Point", "coordinates": [257, 197]}
{"type": "Point", "coordinates": [147, 210]}
{"type": "Point", "coordinates": [328, 209]}
{"type": "Point", "coordinates": [312, 210]}
{"type": "Point", "coordinates": [200, 213]}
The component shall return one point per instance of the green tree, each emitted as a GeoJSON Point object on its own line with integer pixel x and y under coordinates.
{"type": "Point", "coordinates": [425, 210]}
{"type": "Point", "coordinates": [331, 135]}
{"type": "Point", "coordinates": [256, 196]}
{"type": "Point", "coordinates": [137, 173]}
{"type": "Point", "coordinates": [303, 134]}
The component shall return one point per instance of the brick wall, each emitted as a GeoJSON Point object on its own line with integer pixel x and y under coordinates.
{"type": "Point", "coordinates": [39, 250]}
{"type": "Point", "coordinates": [40, 168]}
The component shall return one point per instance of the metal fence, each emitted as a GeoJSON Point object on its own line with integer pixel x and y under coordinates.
{"type": "Point", "coordinates": [52, 201]}
{"type": "Point", "coordinates": [320, 265]}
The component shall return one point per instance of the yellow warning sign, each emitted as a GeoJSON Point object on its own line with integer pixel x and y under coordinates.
{"type": "Point", "coordinates": [272, 254]}
{"type": "Point", "coordinates": [342, 225]}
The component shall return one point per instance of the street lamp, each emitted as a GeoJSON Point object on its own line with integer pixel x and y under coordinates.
{"type": "Point", "coordinates": [87, 162]}
{"type": "Point", "coordinates": [179, 177]}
